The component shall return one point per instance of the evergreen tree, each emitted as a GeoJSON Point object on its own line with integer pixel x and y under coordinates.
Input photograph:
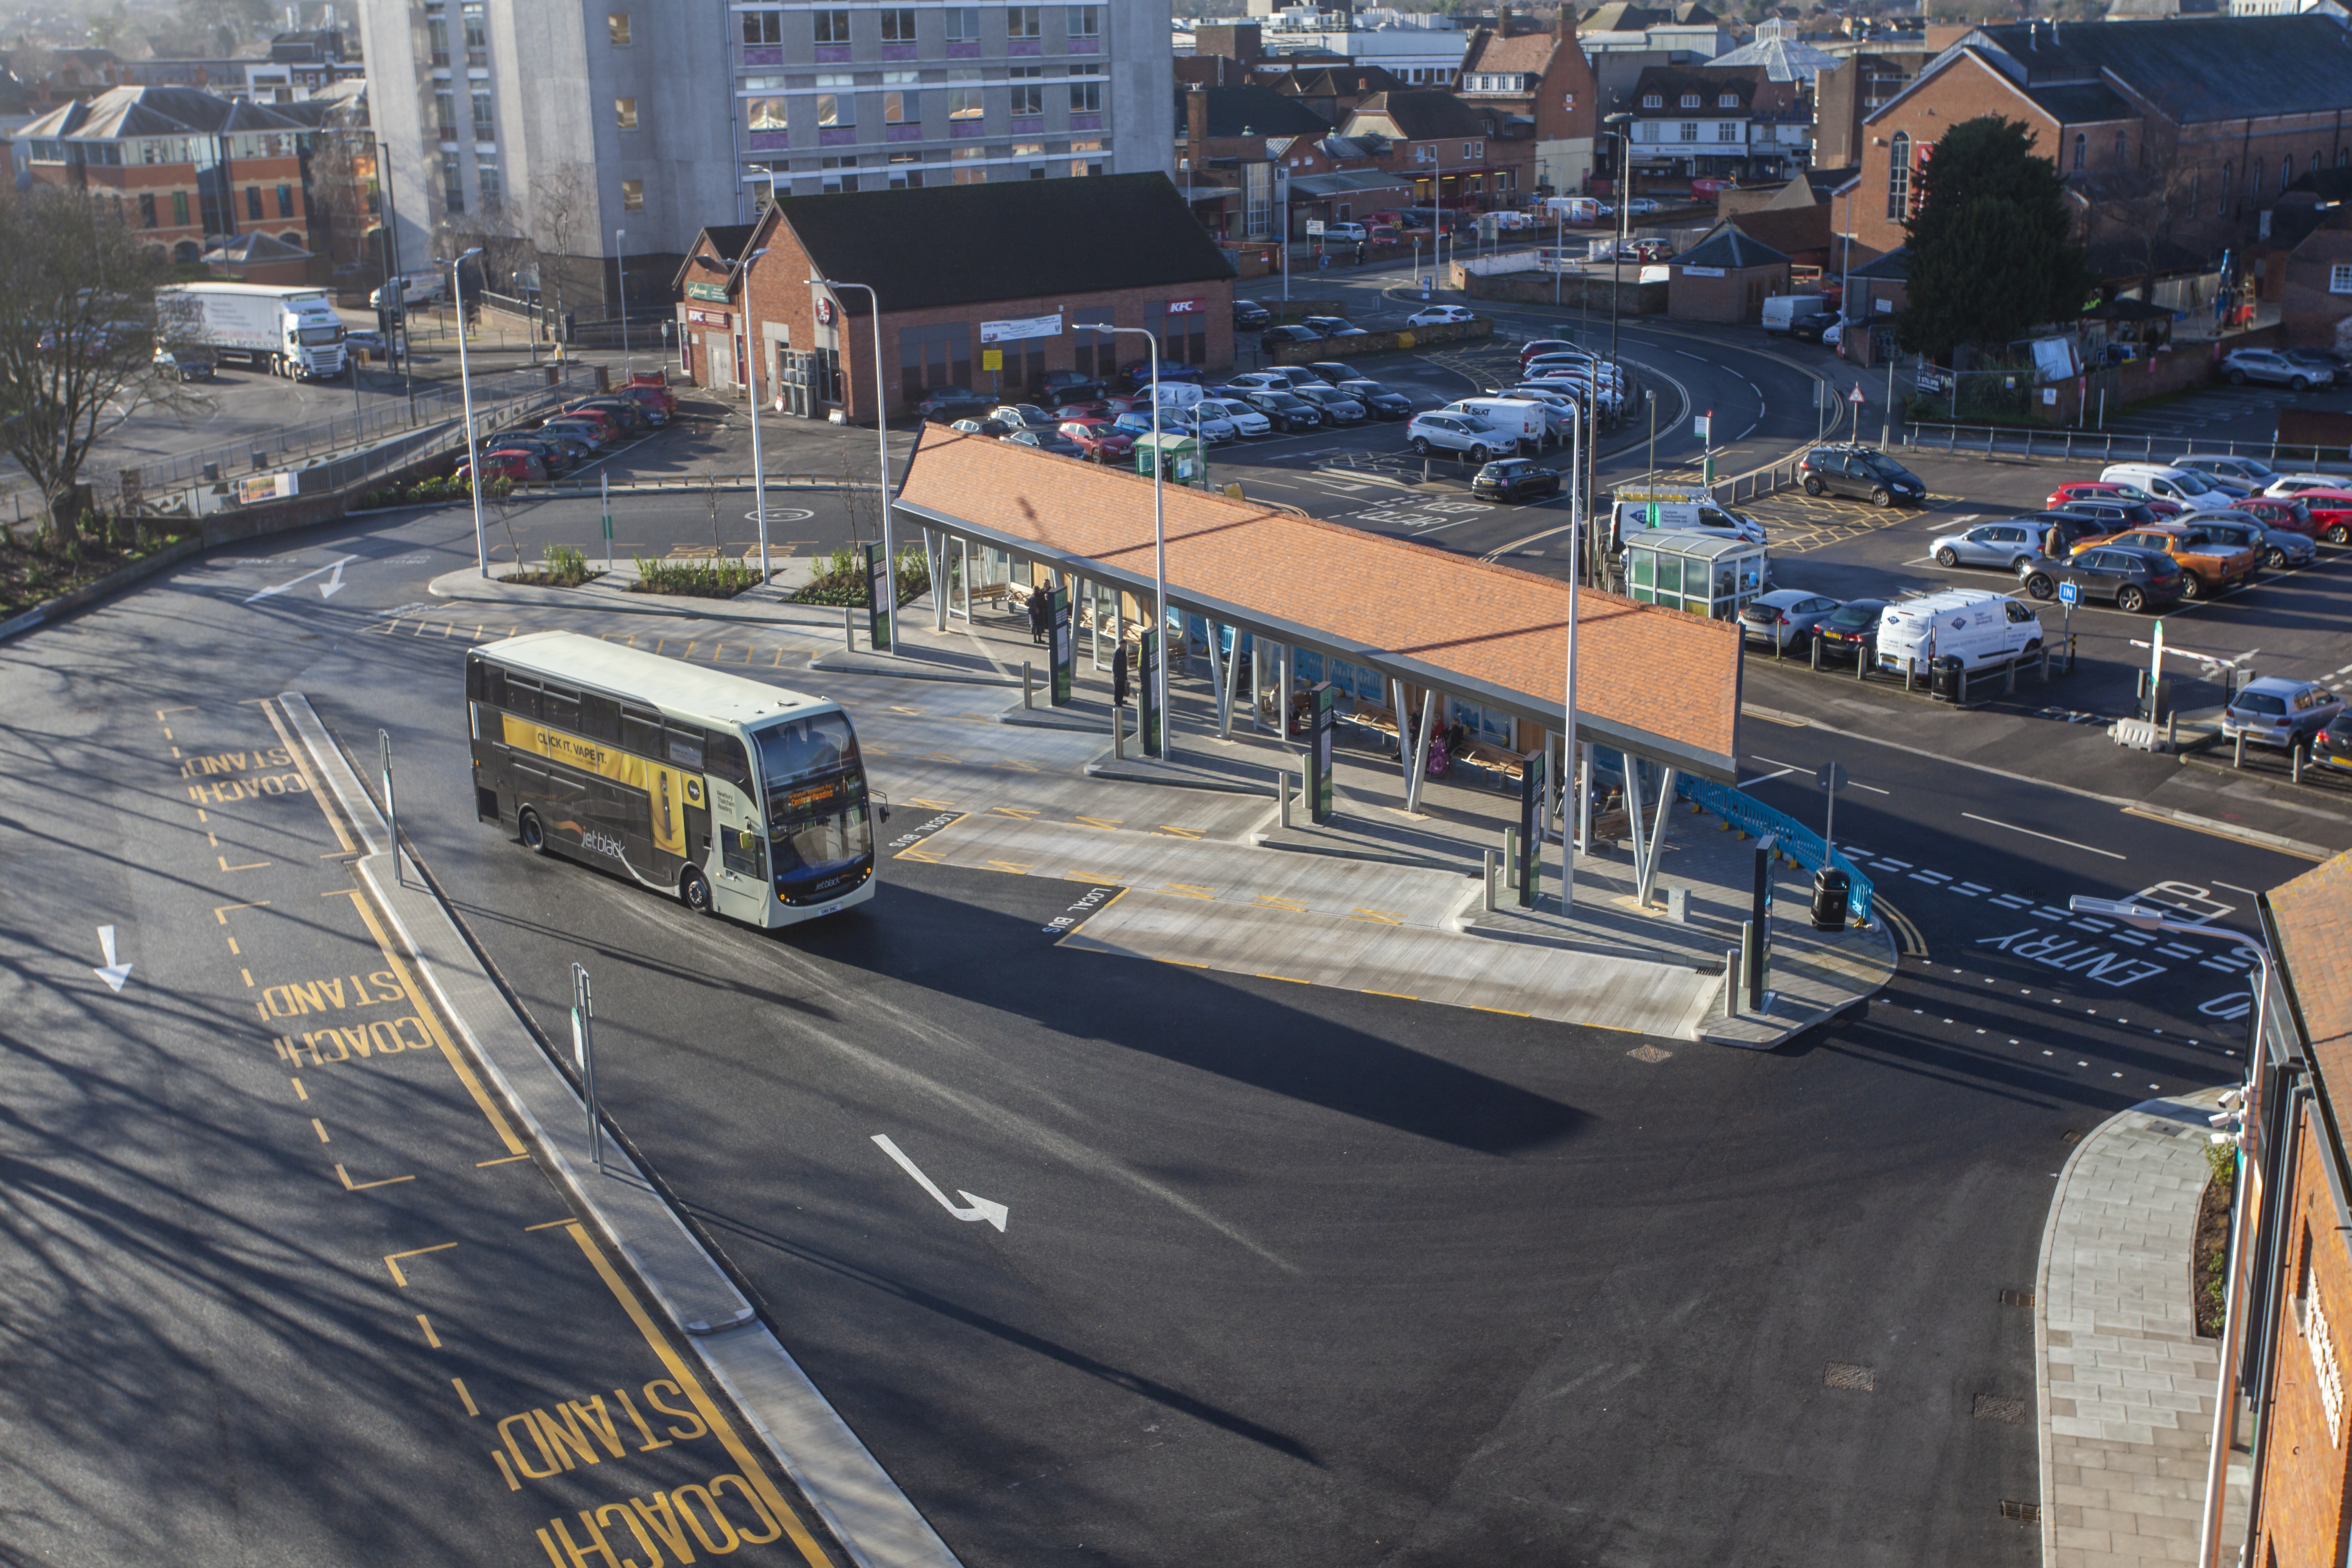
{"type": "Point", "coordinates": [1991, 255]}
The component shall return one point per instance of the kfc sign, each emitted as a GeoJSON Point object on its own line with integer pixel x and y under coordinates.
{"type": "Point", "coordinates": [825, 313]}
{"type": "Point", "coordinates": [1187, 307]}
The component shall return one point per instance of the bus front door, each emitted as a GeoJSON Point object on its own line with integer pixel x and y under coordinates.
{"type": "Point", "coordinates": [740, 890]}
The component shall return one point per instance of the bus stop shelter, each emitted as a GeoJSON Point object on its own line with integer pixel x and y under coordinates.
{"type": "Point", "coordinates": [1653, 682]}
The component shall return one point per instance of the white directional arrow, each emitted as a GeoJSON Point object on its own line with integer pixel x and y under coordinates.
{"type": "Point", "coordinates": [980, 1207]}
{"type": "Point", "coordinates": [114, 973]}
{"type": "Point", "coordinates": [336, 567]}
{"type": "Point", "coordinates": [334, 584]}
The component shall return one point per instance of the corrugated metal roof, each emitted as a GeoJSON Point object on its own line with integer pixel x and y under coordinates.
{"type": "Point", "coordinates": [2193, 69]}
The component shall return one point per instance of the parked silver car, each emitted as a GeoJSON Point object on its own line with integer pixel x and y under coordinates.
{"type": "Point", "coordinates": [2272, 366]}
{"type": "Point", "coordinates": [2251, 472]}
{"type": "Point", "coordinates": [1785, 617]}
{"type": "Point", "coordinates": [2010, 546]}
{"type": "Point", "coordinates": [2275, 711]}
{"type": "Point", "coordinates": [1455, 433]}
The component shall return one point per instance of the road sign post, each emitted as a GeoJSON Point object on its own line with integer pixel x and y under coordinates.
{"type": "Point", "coordinates": [605, 494]}
{"type": "Point", "coordinates": [391, 812]}
{"type": "Point", "coordinates": [1759, 951]}
{"type": "Point", "coordinates": [2068, 593]}
{"type": "Point", "coordinates": [1323, 700]}
{"type": "Point", "coordinates": [1832, 778]}
{"type": "Point", "coordinates": [1062, 647]}
{"type": "Point", "coordinates": [879, 599]}
{"type": "Point", "coordinates": [1148, 695]}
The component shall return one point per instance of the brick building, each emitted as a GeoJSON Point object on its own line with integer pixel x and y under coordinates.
{"type": "Point", "coordinates": [1439, 142]}
{"type": "Point", "coordinates": [959, 270]}
{"type": "Point", "coordinates": [1536, 83]}
{"type": "Point", "coordinates": [1725, 277]}
{"type": "Point", "coordinates": [1691, 123]}
{"type": "Point", "coordinates": [2192, 127]}
{"type": "Point", "coordinates": [182, 168]}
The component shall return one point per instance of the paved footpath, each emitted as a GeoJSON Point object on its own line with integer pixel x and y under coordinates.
{"type": "Point", "coordinates": [2127, 1388]}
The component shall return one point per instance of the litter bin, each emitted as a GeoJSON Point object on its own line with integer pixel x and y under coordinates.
{"type": "Point", "coordinates": [1944, 677]}
{"type": "Point", "coordinates": [1830, 886]}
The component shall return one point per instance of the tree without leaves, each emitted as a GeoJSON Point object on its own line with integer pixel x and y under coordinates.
{"type": "Point", "coordinates": [1989, 250]}
{"type": "Point", "coordinates": [564, 203]}
{"type": "Point", "coordinates": [77, 309]}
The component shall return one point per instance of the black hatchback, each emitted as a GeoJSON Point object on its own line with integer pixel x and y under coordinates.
{"type": "Point", "coordinates": [1515, 479]}
{"type": "Point", "coordinates": [1249, 315]}
{"type": "Point", "coordinates": [1851, 628]}
{"type": "Point", "coordinates": [1862, 471]}
{"type": "Point", "coordinates": [2332, 746]}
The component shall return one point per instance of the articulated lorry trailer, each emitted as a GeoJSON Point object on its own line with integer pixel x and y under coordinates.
{"type": "Point", "coordinates": [287, 332]}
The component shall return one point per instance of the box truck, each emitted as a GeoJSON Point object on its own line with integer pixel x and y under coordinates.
{"type": "Point", "coordinates": [1524, 420]}
{"type": "Point", "coordinates": [287, 332]}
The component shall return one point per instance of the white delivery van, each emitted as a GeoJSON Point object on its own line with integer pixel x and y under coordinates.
{"type": "Point", "coordinates": [1783, 309]}
{"type": "Point", "coordinates": [2186, 485]}
{"type": "Point", "coordinates": [1176, 394]}
{"type": "Point", "coordinates": [1682, 510]}
{"type": "Point", "coordinates": [1572, 209]}
{"type": "Point", "coordinates": [415, 288]}
{"type": "Point", "coordinates": [1976, 626]}
{"type": "Point", "coordinates": [1523, 419]}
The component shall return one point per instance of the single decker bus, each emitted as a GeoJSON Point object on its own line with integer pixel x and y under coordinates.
{"type": "Point", "coordinates": [744, 800]}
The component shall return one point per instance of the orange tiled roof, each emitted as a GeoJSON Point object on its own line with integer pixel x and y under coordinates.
{"type": "Point", "coordinates": [2312, 915]}
{"type": "Point", "coordinates": [1662, 681]}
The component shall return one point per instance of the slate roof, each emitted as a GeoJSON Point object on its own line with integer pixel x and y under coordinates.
{"type": "Point", "coordinates": [1419, 115]}
{"type": "Point", "coordinates": [157, 112]}
{"type": "Point", "coordinates": [1727, 248]}
{"type": "Point", "coordinates": [1670, 82]}
{"type": "Point", "coordinates": [2195, 68]}
{"type": "Point", "coordinates": [1789, 229]}
{"type": "Point", "coordinates": [1622, 16]}
{"type": "Point", "coordinates": [1257, 111]}
{"type": "Point", "coordinates": [1341, 148]}
{"type": "Point", "coordinates": [1110, 231]}
{"type": "Point", "coordinates": [2088, 103]}
{"type": "Point", "coordinates": [1896, 265]}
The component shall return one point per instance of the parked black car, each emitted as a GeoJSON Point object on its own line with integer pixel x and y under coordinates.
{"type": "Point", "coordinates": [947, 410]}
{"type": "Point", "coordinates": [1061, 386]}
{"type": "Point", "coordinates": [942, 396]}
{"type": "Point", "coordinates": [1283, 410]}
{"type": "Point", "coordinates": [1276, 337]}
{"type": "Point", "coordinates": [1863, 471]}
{"type": "Point", "coordinates": [1515, 479]}
{"type": "Point", "coordinates": [1249, 316]}
{"type": "Point", "coordinates": [2131, 580]}
{"type": "Point", "coordinates": [1383, 404]}
{"type": "Point", "coordinates": [576, 450]}
{"type": "Point", "coordinates": [1338, 406]}
{"type": "Point", "coordinates": [1811, 327]}
{"type": "Point", "coordinates": [625, 412]}
{"type": "Point", "coordinates": [2332, 747]}
{"type": "Point", "coordinates": [1334, 372]}
{"type": "Point", "coordinates": [1851, 628]}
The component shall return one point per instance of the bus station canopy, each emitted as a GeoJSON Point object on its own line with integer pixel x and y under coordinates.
{"type": "Point", "coordinates": [1655, 682]}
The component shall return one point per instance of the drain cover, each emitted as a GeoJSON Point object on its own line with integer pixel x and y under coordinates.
{"type": "Point", "coordinates": [1860, 1379]}
{"type": "Point", "coordinates": [2000, 1407]}
{"type": "Point", "coordinates": [1648, 1053]}
{"type": "Point", "coordinates": [2017, 1297]}
{"type": "Point", "coordinates": [2022, 1512]}
{"type": "Point", "coordinates": [2070, 1136]}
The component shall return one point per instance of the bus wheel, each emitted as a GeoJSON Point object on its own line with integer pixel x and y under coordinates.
{"type": "Point", "coordinates": [533, 835]}
{"type": "Point", "coordinates": [694, 891]}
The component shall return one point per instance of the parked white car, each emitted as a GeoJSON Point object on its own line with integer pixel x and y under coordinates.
{"type": "Point", "coordinates": [1473, 439]}
{"type": "Point", "coordinates": [1245, 420]}
{"type": "Point", "coordinates": [2272, 366]}
{"type": "Point", "coordinates": [1439, 316]}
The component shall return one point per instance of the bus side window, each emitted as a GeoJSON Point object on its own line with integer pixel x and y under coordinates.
{"type": "Point", "coordinates": [600, 717]}
{"type": "Point", "coordinates": [522, 696]}
{"type": "Point", "coordinates": [641, 731]}
{"type": "Point", "coordinates": [560, 706]}
{"type": "Point", "coordinates": [686, 747]}
{"type": "Point", "coordinates": [727, 761]}
{"type": "Point", "coordinates": [494, 683]}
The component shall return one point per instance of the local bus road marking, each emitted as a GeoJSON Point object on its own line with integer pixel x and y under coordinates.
{"type": "Point", "coordinates": [325, 590]}
{"type": "Point", "coordinates": [2052, 837]}
{"type": "Point", "coordinates": [114, 973]}
{"type": "Point", "coordinates": [994, 1213]}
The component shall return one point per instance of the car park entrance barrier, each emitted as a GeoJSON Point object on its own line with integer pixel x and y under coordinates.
{"type": "Point", "coordinates": [1756, 819]}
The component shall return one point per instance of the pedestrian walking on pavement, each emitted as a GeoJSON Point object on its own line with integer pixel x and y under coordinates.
{"type": "Point", "coordinates": [1359, 253]}
{"type": "Point", "coordinates": [1038, 614]}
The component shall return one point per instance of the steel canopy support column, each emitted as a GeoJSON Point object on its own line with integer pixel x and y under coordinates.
{"type": "Point", "coordinates": [1283, 677]}
{"type": "Point", "coordinates": [1657, 840]}
{"type": "Point", "coordinates": [1216, 668]}
{"type": "Point", "coordinates": [1417, 767]}
{"type": "Point", "coordinates": [1225, 689]}
{"type": "Point", "coordinates": [935, 558]}
{"type": "Point", "coordinates": [1405, 751]}
{"type": "Point", "coordinates": [1634, 816]}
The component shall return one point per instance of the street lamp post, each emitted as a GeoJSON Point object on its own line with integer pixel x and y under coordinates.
{"type": "Point", "coordinates": [1625, 125]}
{"type": "Point", "coordinates": [465, 386]}
{"type": "Point", "coordinates": [1158, 675]}
{"type": "Point", "coordinates": [759, 467]}
{"type": "Point", "coordinates": [1571, 801]}
{"type": "Point", "coordinates": [2144, 917]}
{"type": "Point", "coordinates": [882, 454]}
{"type": "Point", "coordinates": [621, 265]}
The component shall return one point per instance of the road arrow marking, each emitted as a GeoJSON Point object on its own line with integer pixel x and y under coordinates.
{"type": "Point", "coordinates": [980, 1207]}
{"type": "Point", "coordinates": [334, 584]}
{"type": "Point", "coordinates": [114, 973]}
{"type": "Point", "coordinates": [336, 567]}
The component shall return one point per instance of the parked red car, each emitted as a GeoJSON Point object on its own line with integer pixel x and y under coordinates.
{"type": "Point", "coordinates": [2331, 513]}
{"type": "Point", "coordinates": [522, 467]}
{"type": "Point", "coordinates": [1097, 439]}
{"type": "Point", "coordinates": [2101, 490]}
{"type": "Point", "coordinates": [2280, 512]}
{"type": "Point", "coordinates": [1095, 408]}
{"type": "Point", "coordinates": [656, 404]}
{"type": "Point", "coordinates": [1528, 349]}
{"type": "Point", "coordinates": [658, 380]}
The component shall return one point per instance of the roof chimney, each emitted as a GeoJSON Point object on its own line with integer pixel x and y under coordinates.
{"type": "Point", "coordinates": [1502, 21]}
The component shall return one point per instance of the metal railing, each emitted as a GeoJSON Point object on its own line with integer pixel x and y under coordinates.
{"type": "Point", "coordinates": [1798, 841]}
{"type": "Point", "coordinates": [2107, 446]}
{"type": "Point", "coordinates": [1756, 483]}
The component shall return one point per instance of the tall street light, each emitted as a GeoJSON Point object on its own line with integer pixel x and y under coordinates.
{"type": "Point", "coordinates": [2145, 917]}
{"type": "Point", "coordinates": [882, 452]}
{"type": "Point", "coordinates": [1570, 798]}
{"type": "Point", "coordinates": [465, 384]}
{"type": "Point", "coordinates": [1625, 125]}
{"type": "Point", "coordinates": [1158, 676]}
{"type": "Point", "coordinates": [621, 263]}
{"type": "Point", "coordinates": [759, 469]}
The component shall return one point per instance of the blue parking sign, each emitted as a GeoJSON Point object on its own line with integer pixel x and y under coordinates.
{"type": "Point", "coordinates": [2069, 594]}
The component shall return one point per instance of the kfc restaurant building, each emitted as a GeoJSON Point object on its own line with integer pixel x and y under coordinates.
{"type": "Point", "coordinates": [968, 295]}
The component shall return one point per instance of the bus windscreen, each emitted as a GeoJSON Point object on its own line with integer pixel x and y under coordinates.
{"type": "Point", "coordinates": [818, 826]}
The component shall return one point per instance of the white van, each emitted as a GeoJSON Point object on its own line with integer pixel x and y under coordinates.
{"type": "Point", "coordinates": [415, 288]}
{"type": "Point", "coordinates": [1176, 394]}
{"type": "Point", "coordinates": [1782, 309]}
{"type": "Point", "coordinates": [2186, 485]}
{"type": "Point", "coordinates": [1684, 510]}
{"type": "Point", "coordinates": [1976, 625]}
{"type": "Point", "coordinates": [1523, 419]}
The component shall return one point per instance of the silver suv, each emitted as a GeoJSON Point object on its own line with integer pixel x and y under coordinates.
{"type": "Point", "coordinates": [2270, 365]}
{"type": "Point", "coordinates": [1456, 433]}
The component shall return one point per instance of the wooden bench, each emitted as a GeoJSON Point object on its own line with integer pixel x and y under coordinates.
{"type": "Point", "coordinates": [1508, 768]}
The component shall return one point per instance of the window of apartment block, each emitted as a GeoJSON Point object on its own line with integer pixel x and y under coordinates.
{"type": "Point", "coordinates": [901, 104]}
{"type": "Point", "coordinates": [963, 24]}
{"type": "Point", "coordinates": [898, 27]}
{"type": "Point", "coordinates": [179, 209]}
{"type": "Point", "coordinates": [437, 33]}
{"type": "Point", "coordinates": [624, 113]}
{"type": "Point", "coordinates": [840, 176]}
{"type": "Point", "coordinates": [616, 28]}
{"type": "Point", "coordinates": [831, 26]}
{"type": "Point", "coordinates": [444, 113]}
{"type": "Point", "coordinates": [1898, 177]}
{"type": "Point", "coordinates": [147, 210]}
{"type": "Point", "coordinates": [1652, 101]}
{"type": "Point", "coordinates": [966, 99]}
{"type": "Point", "coordinates": [835, 105]}
{"type": "Point", "coordinates": [284, 201]}
{"type": "Point", "coordinates": [763, 28]}
{"type": "Point", "coordinates": [1028, 92]}
{"type": "Point", "coordinates": [1690, 101]}
{"type": "Point", "coordinates": [766, 113]}
{"type": "Point", "coordinates": [1085, 21]}
{"type": "Point", "coordinates": [2339, 276]}
{"type": "Point", "coordinates": [478, 35]}
{"type": "Point", "coordinates": [486, 119]}
{"type": "Point", "coordinates": [1022, 21]}
{"type": "Point", "coordinates": [453, 186]}
{"type": "Point", "coordinates": [487, 182]}
{"type": "Point", "coordinates": [1690, 130]}
{"type": "Point", "coordinates": [1086, 95]}
{"type": "Point", "coordinates": [903, 179]}
{"type": "Point", "coordinates": [1087, 157]}
{"type": "Point", "coordinates": [1727, 131]}
{"type": "Point", "coordinates": [633, 195]}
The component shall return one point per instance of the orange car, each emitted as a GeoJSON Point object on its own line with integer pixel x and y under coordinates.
{"type": "Point", "coordinates": [2207, 565]}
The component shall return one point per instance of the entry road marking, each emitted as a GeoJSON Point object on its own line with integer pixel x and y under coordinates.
{"type": "Point", "coordinates": [392, 1260]}
{"type": "Point", "coordinates": [993, 1213]}
{"type": "Point", "coordinates": [352, 1186]}
{"type": "Point", "coordinates": [2050, 837]}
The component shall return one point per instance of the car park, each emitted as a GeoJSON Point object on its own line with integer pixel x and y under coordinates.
{"type": "Point", "coordinates": [1249, 316]}
{"type": "Point", "coordinates": [2278, 514]}
{"type": "Point", "coordinates": [1851, 629]}
{"type": "Point", "coordinates": [1202, 422]}
{"type": "Point", "coordinates": [656, 405]}
{"type": "Point", "coordinates": [1141, 374]}
{"type": "Point", "coordinates": [1285, 411]}
{"type": "Point", "coordinates": [2209, 565]}
{"type": "Point", "coordinates": [968, 408]}
{"type": "Point", "coordinates": [1276, 380]}
{"type": "Point", "coordinates": [1457, 433]}
{"type": "Point", "coordinates": [1337, 405]}
{"type": "Point", "coordinates": [599, 434]}
{"type": "Point", "coordinates": [511, 464]}
{"type": "Point", "coordinates": [2271, 366]}
{"type": "Point", "coordinates": [1785, 617]}
{"type": "Point", "coordinates": [2130, 580]}
{"type": "Point", "coordinates": [1809, 327]}
{"type": "Point", "coordinates": [1061, 386]}
{"type": "Point", "coordinates": [1535, 346]}
{"type": "Point", "coordinates": [2113, 516]}
{"type": "Point", "coordinates": [2280, 549]}
{"type": "Point", "coordinates": [1378, 400]}
{"type": "Point", "coordinates": [2008, 546]}
{"type": "Point", "coordinates": [996, 429]}
{"type": "Point", "coordinates": [554, 456]}
{"type": "Point", "coordinates": [1046, 440]}
{"type": "Point", "coordinates": [1975, 626]}
{"type": "Point", "coordinates": [2096, 489]}
{"type": "Point", "coordinates": [942, 398]}
{"type": "Point", "coordinates": [1863, 471]}
{"type": "Point", "coordinates": [1439, 316]}
{"type": "Point", "coordinates": [1245, 420]}
{"type": "Point", "coordinates": [1333, 372]}
{"type": "Point", "coordinates": [1097, 439]}
{"type": "Point", "coordinates": [2271, 711]}
{"type": "Point", "coordinates": [1515, 479]}
{"type": "Point", "coordinates": [625, 412]}
{"type": "Point", "coordinates": [1025, 415]}
{"type": "Point", "coordinates": [2193, 490]}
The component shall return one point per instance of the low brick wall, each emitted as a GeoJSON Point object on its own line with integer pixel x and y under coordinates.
{"type": "Point", "coordinates": [1634, 299]}
{"type": "Point", "coordinates": [1369, 344]}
